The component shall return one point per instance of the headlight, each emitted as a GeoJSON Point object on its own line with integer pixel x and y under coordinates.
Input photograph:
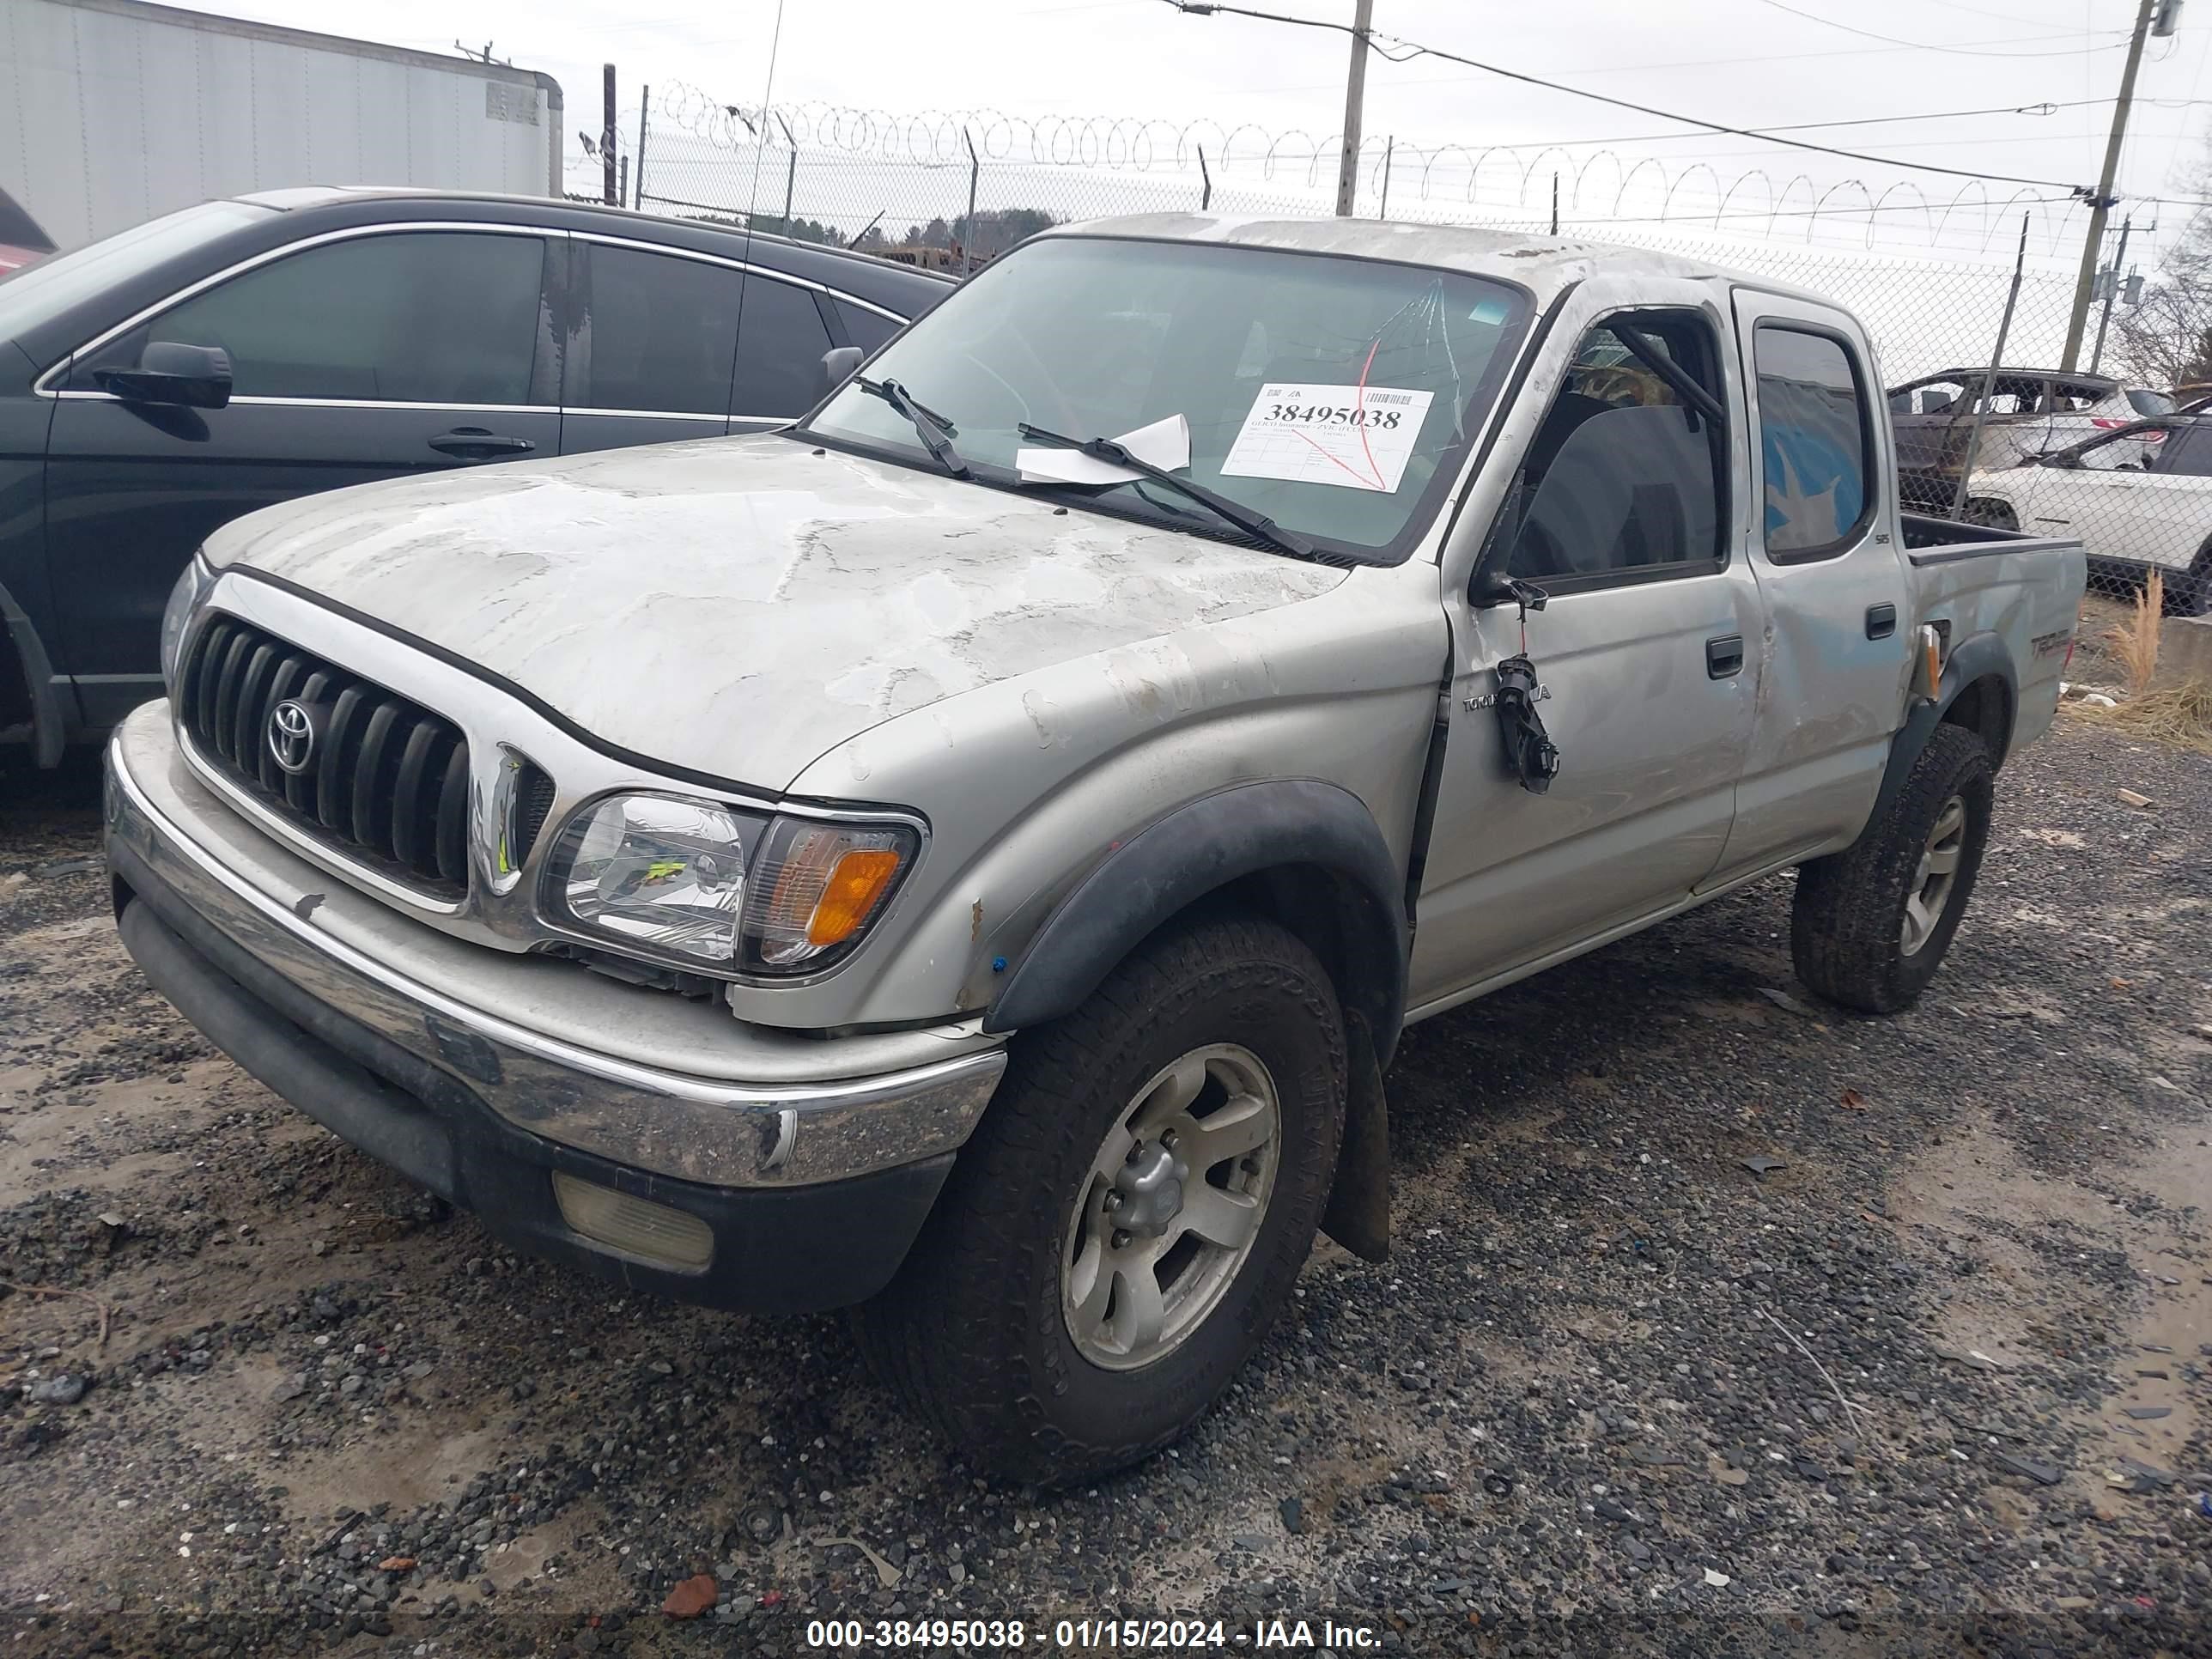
{"type": "Point", "coordinates": [714, 887]}
{"type": "Point", "coordinates": [191, 585]}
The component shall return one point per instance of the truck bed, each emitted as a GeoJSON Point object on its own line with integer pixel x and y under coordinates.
{"type": "Point", "coordinates": [1973, 580]}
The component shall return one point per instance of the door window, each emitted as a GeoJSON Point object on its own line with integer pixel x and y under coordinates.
{"type": "Point", "coordinates": [778, 352]}
{"type": "Point", "coordinates": [864, 328]}
{"type": "Point", "coordinates": [656, 333]}
{"type": "Point", "coordinates": [1929, 398]}
{"type": "Point", "coordinates": [1816, 446]}
{"type": "Point", "coordinates": [1626, 476]}
{"type": "Point", "coordinates": [419, 317]}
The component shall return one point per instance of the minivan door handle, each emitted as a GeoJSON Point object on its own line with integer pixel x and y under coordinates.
{"type": "Point", "coordinates": [476, 443]}
{"type": "Point", "coordinates": [1724, 656]}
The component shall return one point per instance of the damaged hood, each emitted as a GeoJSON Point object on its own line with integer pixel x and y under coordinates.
{"type": "Point", "coordinates": [740, 605]}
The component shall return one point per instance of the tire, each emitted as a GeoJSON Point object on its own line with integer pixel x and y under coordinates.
{"type": "Point", "coordinates": [978, 1332]}
{"type": "Point", "coordinates": [1851, 932]}
{"type": "Point", "coordinates": [2188, 593]}
{"type": "Point", "coordinates": [1995, 515]}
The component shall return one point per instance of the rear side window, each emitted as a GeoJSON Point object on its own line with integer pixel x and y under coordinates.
{"type": "Point", "coordinates": [779, 351]}
{"type": "Point", "coordinates": [2149, 405]}
{"type": "Point", "coordinates": [1626, 477]}
{"type": "Point", "coordinates": [1815, 443]}
{"type": "Point", "coordinates": [657, 334]}
{"type": "Point", "coordinates": [430, 317]}
{"type": "Point", "coordinates": [864, 328]}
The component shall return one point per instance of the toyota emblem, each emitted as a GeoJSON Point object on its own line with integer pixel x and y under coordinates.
{"type": "Point", "coordinates": [293, 728]}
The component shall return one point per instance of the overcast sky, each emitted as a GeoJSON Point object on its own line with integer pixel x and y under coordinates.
{"type": "Point", "coordinates": [1746, 63]}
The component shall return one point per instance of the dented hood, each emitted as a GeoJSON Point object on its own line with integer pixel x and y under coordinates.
{"type": "Point", "coordinates": [740, 605]}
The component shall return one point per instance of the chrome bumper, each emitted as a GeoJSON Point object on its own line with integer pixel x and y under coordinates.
{"type": "Point", "coordinates": [644, 1078]}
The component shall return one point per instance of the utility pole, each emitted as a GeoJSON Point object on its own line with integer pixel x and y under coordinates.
{"type": "Point", "coordinates": [1355, 92]}
{"type": "Point", "coordinates": [2112, 289]}
{"type": "Point", "coordinates": [2101, 205]}
{"type": "Point", "coordinates": [637, 173]}
{"type": "Point", "coordinates": [612, 191]}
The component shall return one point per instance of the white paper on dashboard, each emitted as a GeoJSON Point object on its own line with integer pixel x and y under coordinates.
{"type": "Point", "coordinates": [1166, 444]}
{"type": "Point", "coordinates": [1353, 437]}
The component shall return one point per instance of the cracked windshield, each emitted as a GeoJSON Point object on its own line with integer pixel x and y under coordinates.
{"type": "Point", "coordinates": [1335, 397]}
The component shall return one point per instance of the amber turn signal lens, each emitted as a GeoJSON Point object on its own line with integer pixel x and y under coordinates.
{"type": "Point", "coordinates": [855, 884]}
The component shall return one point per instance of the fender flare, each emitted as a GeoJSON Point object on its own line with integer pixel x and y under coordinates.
{"type": "Point", "coordinates": [48, 724]}
{"type": "Point", "coordinates": [1978, 657]}
{"type": "Point", "coordinates": [1201, 847]}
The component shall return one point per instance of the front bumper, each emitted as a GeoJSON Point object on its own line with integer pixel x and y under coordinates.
{"type": "Point", "coordinates": [811, 1168]}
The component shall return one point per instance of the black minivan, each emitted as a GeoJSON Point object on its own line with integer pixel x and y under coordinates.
{"type": "Point", "coordinates": [161, 382]}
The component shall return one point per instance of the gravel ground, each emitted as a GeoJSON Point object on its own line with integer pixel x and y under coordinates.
{"type": "Point", "coordinates": [1938, 1379]}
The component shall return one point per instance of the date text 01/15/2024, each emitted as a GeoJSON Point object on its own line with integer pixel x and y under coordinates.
{"type": "Point", "coordinates": [1096, 1636]}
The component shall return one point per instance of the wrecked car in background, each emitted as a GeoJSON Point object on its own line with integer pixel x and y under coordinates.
{"type": "Point", "coordinates": [972, 854]}
{"type": "Point", "coordinates": [2028, 411]}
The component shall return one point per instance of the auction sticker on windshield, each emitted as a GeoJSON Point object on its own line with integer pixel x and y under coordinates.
{"type": "Point", "coordinates": [1351, 436]}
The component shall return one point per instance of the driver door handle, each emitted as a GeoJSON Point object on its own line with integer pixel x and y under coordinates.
{"type": "Point", "coordinates": [1724, 656]}
{"type": "Point", "coordinates": [476, 443]}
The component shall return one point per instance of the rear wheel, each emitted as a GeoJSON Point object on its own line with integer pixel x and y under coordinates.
{"type": "Point", "coordinates": [2189, 592]}
{"type": "Point", "coordinates": [1871, 924]}
{"type": "Point", "coordinates": [1130, 1216]}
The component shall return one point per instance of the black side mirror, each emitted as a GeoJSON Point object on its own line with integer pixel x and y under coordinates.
{"type": "Point", "coordinates": [190, 376]}
{"type": "Point", "coordinates": [838, 365]}
{"type": "Point", "coordinates": [1497, 590]}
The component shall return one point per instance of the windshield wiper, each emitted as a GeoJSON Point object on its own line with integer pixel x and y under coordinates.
{"type": "Point", "coordinates": [927, 421]}
{"type": "Point", "coordinates": [1256, 525]}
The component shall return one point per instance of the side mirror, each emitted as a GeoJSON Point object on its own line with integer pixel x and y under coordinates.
{"type": "Point", "coordinates": [190, 376]}
{"type": "Point", "coordinates": [838, 365]}
{"type": "Point", "coordinates": [1496, 589]}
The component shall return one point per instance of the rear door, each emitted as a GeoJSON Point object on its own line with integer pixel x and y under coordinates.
{"type": "Point", "coordinates": [1835, 581]}
{"type": "Point", "coordinates": [362, 354]}
{"type": "Point", "coordinates": [652, 336]}
{"type": "Point", "coordinates": [780, 342]}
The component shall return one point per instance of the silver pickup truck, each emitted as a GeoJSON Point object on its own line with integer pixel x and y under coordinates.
{"type": "Point", "coordinates": [971, 855]}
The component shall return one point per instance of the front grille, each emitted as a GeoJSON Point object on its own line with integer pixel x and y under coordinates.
{"type": "Point", "coordinates": [384, 780]}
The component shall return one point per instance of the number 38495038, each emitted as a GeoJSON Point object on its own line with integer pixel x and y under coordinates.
{"type": "Point", "coordinates": [1336, 414]}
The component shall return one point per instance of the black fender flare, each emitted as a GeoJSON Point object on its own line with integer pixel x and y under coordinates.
{"type": "Point", "coordinates": [1978, 657]}
{"type": "Point", "coordinates": [1200, 847]}
{"type": "Point", "coordinates": [49, 724]}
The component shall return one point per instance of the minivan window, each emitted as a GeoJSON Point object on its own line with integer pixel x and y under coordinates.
{"type": "Point", "coordinates": [438, 317]}
{"type": "Point", "coordinates": [780, 347]}
{"type": "Point", "coordinates": [40, 293]}
{"type": "Point", "coordinates": [658, 333]}
{"type": "Point", "coordinates": [864, 328]}
{"type": "Point", "coordinates": [1337, 396]}
{"type": "Point", "coordinates": [1815, 443]}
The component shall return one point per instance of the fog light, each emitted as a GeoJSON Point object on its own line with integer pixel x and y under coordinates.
{"type": "Point", "coordinates": [636, 1226]}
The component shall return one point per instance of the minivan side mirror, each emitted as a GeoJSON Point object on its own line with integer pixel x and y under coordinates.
{"type": "Point", "coordinates": [190, 376]}
{"type": "Point", "coordinates": [838, 364]}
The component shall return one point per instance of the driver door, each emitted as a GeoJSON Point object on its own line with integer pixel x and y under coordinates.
{"type": "Point", "coordinates": [1647, 650]}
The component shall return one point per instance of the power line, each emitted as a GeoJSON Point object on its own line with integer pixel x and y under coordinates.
{"type": "Point", "coordinates": [1406, 51]}
{"type": "Point", "coordinates": [1925, 46]}
{"type": "Point", "coordinates": [1807, 126]}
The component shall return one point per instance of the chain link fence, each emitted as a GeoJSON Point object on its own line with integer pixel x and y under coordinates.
{"type": "Point", "coordinates": [2106, 455]}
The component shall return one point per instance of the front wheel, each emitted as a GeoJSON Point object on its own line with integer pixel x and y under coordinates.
{"type": "Point", "coordinates": [1870, 924]}
{"type": "Point", "coordinates": [1131, 1214]}
{"type": "Point", "coordinates": [1992, 515]}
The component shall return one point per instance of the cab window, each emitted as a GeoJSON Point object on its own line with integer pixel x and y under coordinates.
{"type": "Point", "coordinates": [1815, 443]}
{"type": "Point", "coordinates": [1627, 477]}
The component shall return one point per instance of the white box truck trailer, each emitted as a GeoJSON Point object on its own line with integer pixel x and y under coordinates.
{"type": "Point", "coordinates": [125, 110]}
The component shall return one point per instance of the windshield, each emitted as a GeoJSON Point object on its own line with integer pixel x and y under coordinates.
{"type": "Point", "coordinates": [1335, 396]}
{"type": "Point", "coordinates": [37, 294]}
